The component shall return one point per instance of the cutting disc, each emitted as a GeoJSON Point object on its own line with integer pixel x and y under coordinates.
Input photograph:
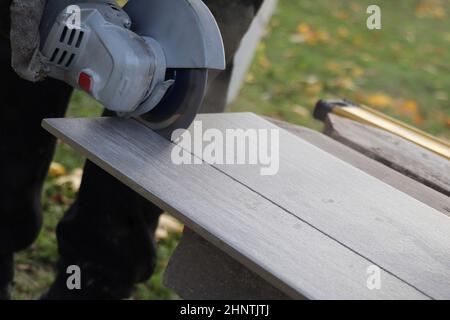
{"type": "Point", "coordinates": [181, 103]}
{"type": "Point", "coordinates": [190, 38]}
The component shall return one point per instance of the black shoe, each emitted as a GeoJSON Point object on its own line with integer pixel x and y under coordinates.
{"type": "Point", "coordinates": [6, 275]}
{"type": "Point", "coordinates": [5, 293]}
{"type": "Point", "coordinates": [94, 286]}
{"type": "Point", "coordinates": [58, 291]}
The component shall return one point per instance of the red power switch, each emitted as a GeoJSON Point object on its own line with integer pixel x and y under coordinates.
{"type": "Point", "coordinates": [85, 82]}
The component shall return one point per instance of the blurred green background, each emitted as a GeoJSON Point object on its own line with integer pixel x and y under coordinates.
{"type": "Point", "coordinates": [313, 49]}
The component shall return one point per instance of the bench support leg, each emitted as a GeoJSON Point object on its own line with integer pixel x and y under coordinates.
{"type": "Point", "coordinates": [198, 270]}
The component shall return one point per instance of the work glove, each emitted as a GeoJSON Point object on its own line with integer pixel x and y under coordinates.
{"type": "Point", "coordinates": [25, 41]}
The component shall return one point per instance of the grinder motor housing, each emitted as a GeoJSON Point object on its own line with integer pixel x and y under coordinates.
{"type": "Point", "coordinates": [129, 59]}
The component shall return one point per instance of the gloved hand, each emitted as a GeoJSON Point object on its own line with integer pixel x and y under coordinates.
{"type": "Point", "coordinates": [25, 20]}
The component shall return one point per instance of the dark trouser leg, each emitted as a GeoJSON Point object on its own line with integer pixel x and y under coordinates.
{"type": "Point", "coordinates": [109, 230]}
{"type": "Point", "coordinates": [234, 18]}
{"type": "Point", "coordinates": [6, 275]}
{"type": "Point", "coordinates": [26, 152]}
{"type": "Point", "coordinates": [108, 233]}
{"type": "Point", "coordinates": [215, 100]}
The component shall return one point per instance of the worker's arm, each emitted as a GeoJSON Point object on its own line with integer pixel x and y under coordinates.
{"type": "Point", "coordinates": [4, 19]}
{"type": "Point", "coordinates": [257, 4]}
{"type": "Point", "coordinates": [25, 19]}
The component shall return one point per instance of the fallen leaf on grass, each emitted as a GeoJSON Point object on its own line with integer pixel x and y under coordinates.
{"type": "Point", "coordinates": [277, 115]}
{"type": "Point", "coordinates": [275, 22]}
{"type": "Point", "coordinates": [418, 119]}
{"type": "Point", "coordinates": [59, 199]}
{"type": "Point", "coordinates": [297, 38]}
{"type": "Point", "coordinates": [161, 234]}
{"type": "Point", "coordinates": [56, 170]}
{"type": "Point", "coordinates": [359, 97]}
{"type": "Point", "coordinates": [343, 32]}
{"type": "Point", "coordinates": [379, 100]}
{"type": "Point", "coordinates": [250, 78]}
{"type": "Point", "coordinates": [170, 224]}
{"type": "Point", "coordinates": [358, 41]}
{"type": "Point", "coordinates": [357, 72]}
{"type": "Point", "coordinates": [322, 35]}
{"type": "Point", "coordinates": [345, 83]}
{"type": "Point", "coordinates": [303, 28]}
{"type": "Point", "coordinates": [356, 7]}
{"type": "Point", "coordinates": [311, 79]}
{"type": "Point", "coordinates": [333, 66]}
{"type": "Point", "coordinates": [411, 109]}
{"type": "Point", "coordinates": [73, 179]}
{"type": "Point", "coordinates": [261, 47]}
{"type": "Point", "coordinates": [430, 9]}
{"type": "Point", "coordinates": [264, 62]}
{"type": "Point", "coordinates": [314, 89]}
{"type": "Point", "coordinates": [341, 14]}
{"type": "Point", "coordinates": [306, 34]}
{"type": "Point", "coordinates": [301, 111]}
{"type": "Point", "coordinates": [167, 225]}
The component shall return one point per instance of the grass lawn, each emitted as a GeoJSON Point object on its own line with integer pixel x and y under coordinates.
{"type": "Point", "coordinates": [314, 49]}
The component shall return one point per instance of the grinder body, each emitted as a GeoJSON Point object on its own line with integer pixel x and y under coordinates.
{"type": "Point", "coordinates": [148, 59]}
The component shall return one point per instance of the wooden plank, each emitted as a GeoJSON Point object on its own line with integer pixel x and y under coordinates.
{"type": "Point", "coordinates": [412, 187]}
{"type": "Point", "coordinates": [197, 270]}
{"type": "Point", "coordinates": [393, 151]}
{"type": "Point", "coordinates": [293, 256]}
{"type": "Point", "coordinates": [386, 226]}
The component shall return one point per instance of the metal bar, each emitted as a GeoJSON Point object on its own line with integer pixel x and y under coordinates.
{"type": "Point", "coordinates": [369, 116]}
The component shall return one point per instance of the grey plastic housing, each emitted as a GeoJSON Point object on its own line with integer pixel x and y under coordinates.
{"type": "Point", "coordinates": [120, 64]}
{"type": "Point", "coordinates": [185, 29]}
